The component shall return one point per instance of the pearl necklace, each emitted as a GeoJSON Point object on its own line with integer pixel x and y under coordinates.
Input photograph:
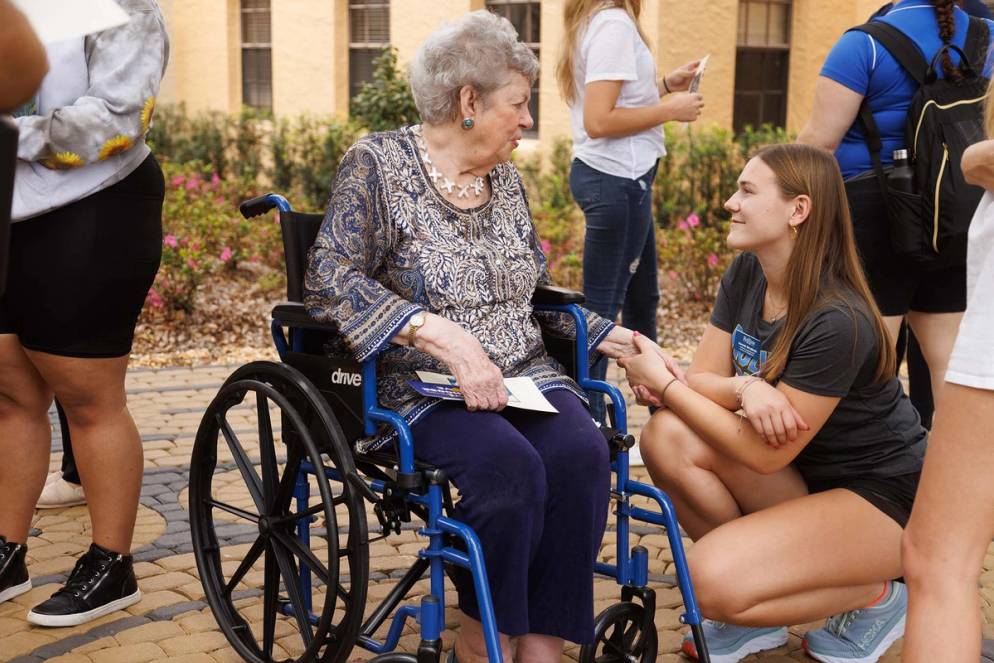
{"type": "Point", "coordinates": [447, 183]}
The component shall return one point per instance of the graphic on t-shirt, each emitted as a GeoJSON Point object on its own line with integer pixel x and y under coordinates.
{"type": "Point", "coordinates": [748, 355]}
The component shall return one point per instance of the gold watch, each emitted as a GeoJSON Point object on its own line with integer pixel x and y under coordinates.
{"type": "Point", "coordinates": [414, 323]}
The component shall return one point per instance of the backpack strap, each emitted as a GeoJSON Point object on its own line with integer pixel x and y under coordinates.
{"type": "Point", "coordinates": [911, 59]}
{"type": "Point", "coordinates": [900, 46]}
{"type": "Point", "coordinates": [977, 40]}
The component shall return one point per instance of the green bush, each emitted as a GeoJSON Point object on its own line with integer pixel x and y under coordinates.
{"type": "Point", "coordinates": [204, 235]}
{"type": "Point", "coordinates": [214, 162]}
{"type": "Point", "coordinates": [386, 102]}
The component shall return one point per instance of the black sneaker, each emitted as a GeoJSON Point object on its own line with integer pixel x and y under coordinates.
{"type": "Point", "coordinates": [14, 579]}
{"type": "Point", "coordinates": [101, 582]}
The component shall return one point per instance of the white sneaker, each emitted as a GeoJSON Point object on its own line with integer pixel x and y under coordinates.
{"type": "Point", "coordinates": [59, 493]}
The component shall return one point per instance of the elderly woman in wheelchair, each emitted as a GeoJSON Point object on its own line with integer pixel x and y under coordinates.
{"type": "Point", "coordinates": [428, 245]}
{"type": "Point", "coordinates": [427, 260]}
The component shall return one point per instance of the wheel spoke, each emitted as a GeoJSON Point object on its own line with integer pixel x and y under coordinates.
{"type": "Point", "coordinates": [249, 475]}
{"type": "Point", "coordinates": [270, 602]}
{"type": "Point", "coordinates": [291, 580]}
{"type": "Point", "coordinates": [234, 510]}
{"type": "Point", "coordinates": [250, 558]}
{"type": "Point", "coordinates": [267, 453]}
{"type": "Point", "coordinates": [293, 545]}
{"type": "Point", "coordinates": [293, 517]}
{"type": "Point", "coordinates": [294, 456]}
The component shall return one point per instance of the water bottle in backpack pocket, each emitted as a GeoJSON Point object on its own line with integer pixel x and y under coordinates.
{"type": "Point", "coordinates": [929, 214]}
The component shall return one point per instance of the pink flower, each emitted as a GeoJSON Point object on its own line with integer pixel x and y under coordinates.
{"type": "Point", "coordinates": [693, 220]}
{"type": "Point", "coordinates": [154, 299]}
{"type": "Point", "coordinates": [546, 246]}
{"type": "Point", "coordinates": [226, 254]}
{"type": "Point", "coordinates": [713, 260]}
{"type": "Point", "coordinates": [673, 275]}
{"type": "Point", "coordinates": [682, 225]}
{"type": "Point", "coordinates": [177, 180]}
{"type": "Point", "coordinates": [193, 183]}
{"type": "Point", "coordinates": [215, 181]}
{"type": "Point", "coordinates": [170, 241]}
{"type": "Point", "coordinates": [191, 263]}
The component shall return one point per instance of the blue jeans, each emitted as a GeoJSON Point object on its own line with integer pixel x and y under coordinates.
{"type": "Point", "coordinates": [619, 253]}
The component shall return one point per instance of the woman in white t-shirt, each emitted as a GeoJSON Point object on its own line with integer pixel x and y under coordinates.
{"type": "Point", "coordinates": [607, 75]}
{"type": "Point", "coordinates": [952, 523]}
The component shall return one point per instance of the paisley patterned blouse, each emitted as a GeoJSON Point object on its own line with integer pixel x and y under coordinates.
{"type": "Point", "coordinates": [391, 246]}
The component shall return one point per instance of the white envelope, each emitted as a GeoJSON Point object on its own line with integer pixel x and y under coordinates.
{"type": "Point", "coordinates": [55, 20]}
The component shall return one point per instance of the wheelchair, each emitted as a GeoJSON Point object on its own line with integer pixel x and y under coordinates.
{"type": "Point", "coordinates": [310, 561]}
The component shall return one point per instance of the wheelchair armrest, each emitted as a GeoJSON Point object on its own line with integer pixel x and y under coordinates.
{"type": "Point", "coordinates": [552, 295]}
{"type": "Point", "coordinates": [294, 314]}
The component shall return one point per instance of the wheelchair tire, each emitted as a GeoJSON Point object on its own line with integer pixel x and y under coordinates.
{"type": "Point", "coordinates": [310, 432]}
{"type": "Point", "coordinates": [619, 637]}
{"type": "Point", "coordinates": [394, 657]}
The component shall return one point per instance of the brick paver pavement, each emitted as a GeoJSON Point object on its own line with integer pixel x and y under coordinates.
{"type": "Point", "coordinates": [172, 621]}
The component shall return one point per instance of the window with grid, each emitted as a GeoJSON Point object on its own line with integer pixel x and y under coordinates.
{"type": "Point", "coordinates": [526, 17]}
{"type": "Point", "coordinates": [761, 63]}
{"type": "Point", "coordinates": [257, 54]}
{"type": "Point", "coordinates": [369, 34]}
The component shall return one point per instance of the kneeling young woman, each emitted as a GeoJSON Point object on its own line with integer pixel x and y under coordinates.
{"type": "Point", "coordinates": [796, 504]}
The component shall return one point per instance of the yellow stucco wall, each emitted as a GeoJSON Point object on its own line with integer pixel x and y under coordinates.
{"type": "Point", "coordinates": [205, 63]}
{"type": "Point", "coordinates": [308, 43]}
{"type": "Point", "coordinates": [310, 50]}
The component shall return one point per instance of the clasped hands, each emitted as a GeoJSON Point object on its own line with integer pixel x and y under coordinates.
{"type": "Point", "coordinates": [768, 410]}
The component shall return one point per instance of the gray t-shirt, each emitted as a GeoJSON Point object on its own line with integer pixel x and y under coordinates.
{"type": "Point", "coordinates": [874, 430]}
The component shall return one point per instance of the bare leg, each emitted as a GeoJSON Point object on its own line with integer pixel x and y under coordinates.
{"type": "Point", "coordinates": [105, 440]}
{"type": "Point", "coordinates": [470, 646]}
{"type": "Point", "coordinates": [832, 551]}
{"type": "Point", "coordinates": [707, 488]}
{"type": "Point", "coordinates": [949, 531]}
{"type": "Point", "coordinates": [936, 334]}
{"type": "Point", "coordinates": [893, 325]}
{"type": "Point", "coordinates": [25, 438]}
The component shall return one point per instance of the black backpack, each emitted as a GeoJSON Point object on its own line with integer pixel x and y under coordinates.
{"type": "Point", "coordinates": [930, 226]}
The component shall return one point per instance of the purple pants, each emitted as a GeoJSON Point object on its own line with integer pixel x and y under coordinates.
{"type": "Point", "coordinates": [534, 487]}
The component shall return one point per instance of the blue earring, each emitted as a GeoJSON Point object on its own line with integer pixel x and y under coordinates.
{"type": "Point", "coordinates": [468, 123]}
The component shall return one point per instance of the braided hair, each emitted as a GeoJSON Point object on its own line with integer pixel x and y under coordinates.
{"type": "Point", "coordinates": [947, 26]}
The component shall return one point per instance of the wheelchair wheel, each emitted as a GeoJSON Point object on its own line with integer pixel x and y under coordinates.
{"type": "Point", "coordinates": [244, 532]}
{"type": "Point", "coordinates": [619, 637]}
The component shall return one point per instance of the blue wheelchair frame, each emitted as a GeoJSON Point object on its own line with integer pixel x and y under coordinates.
{"type": "Point", "coordinates": [630, 571]}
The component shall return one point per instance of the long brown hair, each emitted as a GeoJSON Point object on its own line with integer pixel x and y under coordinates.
{"type": "Point", "coordinates": [947, 27]}
{"type": "Point", "coordinates": [823, 265]}
{"type": "Point", "coordinates": [575, 16]}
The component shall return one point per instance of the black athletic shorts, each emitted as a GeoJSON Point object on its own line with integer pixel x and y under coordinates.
{"type": "Point", "coordinates": [898, 285]}
{"type": "Point", "coordinates": [78, 275]}
{"type": "Point", "coordinates": [894, 495]}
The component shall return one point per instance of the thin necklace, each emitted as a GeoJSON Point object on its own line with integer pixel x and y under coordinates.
{"type": "Point", "coordinates": [447, 183]}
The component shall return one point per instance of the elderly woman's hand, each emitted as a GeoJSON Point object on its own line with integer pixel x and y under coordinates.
{"type": "Point", "coordinates": [479, 379]}
{"type": "Point", "coordinates": [619, 342]}
{"type": "Point", "coordinates": [650, 371]}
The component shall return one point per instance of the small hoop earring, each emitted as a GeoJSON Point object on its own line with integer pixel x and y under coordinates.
{"type": "Point", "coordinates": [793, 232]}
{"type": "Point", "coordinates": [468, 123]}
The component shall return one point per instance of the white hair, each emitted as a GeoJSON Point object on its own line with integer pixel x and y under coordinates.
{"type": "Point", "coordinates": [480, 49]}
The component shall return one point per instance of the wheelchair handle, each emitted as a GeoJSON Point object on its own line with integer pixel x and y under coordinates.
{"type": "Point", "coordinates": [261, 204]}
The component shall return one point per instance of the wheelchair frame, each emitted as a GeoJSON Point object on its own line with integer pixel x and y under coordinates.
{"type": "Point", "coordinates": [630, 570]}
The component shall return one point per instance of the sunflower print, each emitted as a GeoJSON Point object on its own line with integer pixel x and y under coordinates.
{"type": "Point", "coordinates": [63, 161]}
{"type": "Point", "coordinates": [147, 111]}
{"type": "Point", "coordinates": [115, 145]}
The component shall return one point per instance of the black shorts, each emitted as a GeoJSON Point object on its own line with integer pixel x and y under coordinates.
{"type": "Point", "coordinates": [899, 285]}
{"type": "Point", "coordinates": [78, 275]}
{"type": "Point", "coordinates": [894, 495]}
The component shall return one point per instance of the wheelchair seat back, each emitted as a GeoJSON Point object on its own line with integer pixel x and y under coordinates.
{"type": "Point", "coordinates": [339, 379]}
{"type": "Point", "coordinates": [299, 232]}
